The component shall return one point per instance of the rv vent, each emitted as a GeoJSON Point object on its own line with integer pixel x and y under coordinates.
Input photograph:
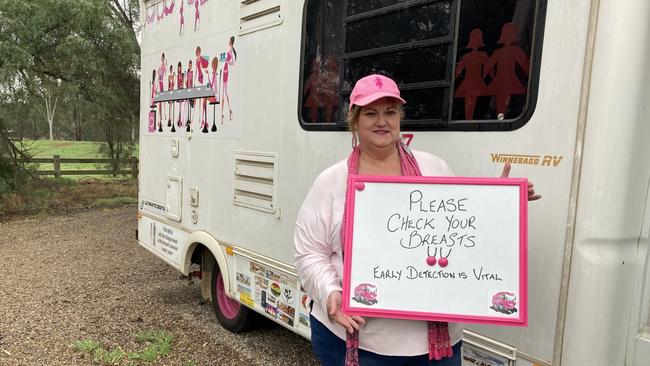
{"type": "Point", "coordinates": [255, 177]}
{"type": "Point", "coordinates": [255, 15]}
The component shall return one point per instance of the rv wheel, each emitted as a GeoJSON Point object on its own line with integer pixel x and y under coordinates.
{"type": "Point", "coordinates": [232, 315]}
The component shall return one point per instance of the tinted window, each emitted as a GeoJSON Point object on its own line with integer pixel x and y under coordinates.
{"type": "Point", "coordinates": [467, 65]}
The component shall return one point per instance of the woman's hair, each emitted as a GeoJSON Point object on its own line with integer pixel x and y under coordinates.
{"type": "Point", "coordinates": [153, 76]}
{"type": "Point", "coordinates": [232, 44]}
{"type": "Point", "coordinates": [353, 116]}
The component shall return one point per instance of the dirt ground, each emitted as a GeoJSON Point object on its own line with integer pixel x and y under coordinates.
{"type": "Point", "coordinates": [79, 276]}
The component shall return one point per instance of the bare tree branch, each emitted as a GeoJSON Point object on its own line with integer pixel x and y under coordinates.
{"type": "Point", "coordinates": [118, 9]}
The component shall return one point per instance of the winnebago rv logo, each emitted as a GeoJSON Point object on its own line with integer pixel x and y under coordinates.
{"type": "Point", "coordinates": [152, 206]}
{"type": "Point", "coordinates": [546, 160]}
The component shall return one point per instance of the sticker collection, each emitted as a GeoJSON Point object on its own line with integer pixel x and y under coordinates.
{"type": "Point", "coordinates": [274, 293]}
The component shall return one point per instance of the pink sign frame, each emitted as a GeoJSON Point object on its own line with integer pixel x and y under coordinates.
{"type": "Point", "coordinates": [357, 183]}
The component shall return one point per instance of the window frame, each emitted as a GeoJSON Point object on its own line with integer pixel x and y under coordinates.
{"type": "Point", "coordinates": [433, 125]}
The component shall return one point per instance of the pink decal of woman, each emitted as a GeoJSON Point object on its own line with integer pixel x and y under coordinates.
{"type": "Point", "coordinates": [472, 86]}
{"type": "Point", "coordinates": [231, 57]}
{"type": "Point", "coordinates": [201, 65]}
{"type": "Point", "coordinates": [197, 16]}
{"type": "Point", "coordinates": [170, 86]}
{"type": "Point", "coordinates": [180, 11]}
{"type": "Point", "coordinates": [161, 81]}
{"type": "Point", "coordinates": [189, 83]}
{"type": "Point", "coordinates": [180, 83]}
{"type": "Point", "coordinates": [152, 105]}
{"type": "Point", "coordinates": [502, 67]}
{"type": "Point", "coordinates": [214, 82]}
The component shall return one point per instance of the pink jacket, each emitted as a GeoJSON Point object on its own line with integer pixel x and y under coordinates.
{"type": "Point", "coordinates": [318, 258]}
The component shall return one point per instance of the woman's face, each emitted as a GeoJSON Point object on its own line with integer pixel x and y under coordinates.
{"type": "Point", "coordinates": [379, 123]}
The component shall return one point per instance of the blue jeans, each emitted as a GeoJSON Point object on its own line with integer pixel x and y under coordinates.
{"type": "Point", "coordinates": [330, 351]}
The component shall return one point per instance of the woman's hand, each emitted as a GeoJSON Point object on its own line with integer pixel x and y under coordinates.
{"type": "Point", "coordinates": [531, 187]}
{"type": "Point", "coordinates": [350, 323]}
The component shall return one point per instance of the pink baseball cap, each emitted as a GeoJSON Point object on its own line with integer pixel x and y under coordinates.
{"type": "Point", "coordinates": [372, 87]}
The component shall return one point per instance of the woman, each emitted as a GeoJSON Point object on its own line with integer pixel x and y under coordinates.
{"type": "Point", "coordinates": [472, 85]}
{"type": "Point", "coordinates": [170, 86]}
{"type": "Point", "coordinates": [231, 57]}
{"type": "Point", "coordinates": [189, 83]}
{"type": "Point", "coordinates": [337, 339]}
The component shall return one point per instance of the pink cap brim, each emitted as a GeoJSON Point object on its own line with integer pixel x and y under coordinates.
{"type": "Point", "coordinates": [371, 98]}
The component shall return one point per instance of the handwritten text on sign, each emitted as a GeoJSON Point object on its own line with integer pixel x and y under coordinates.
{"type": "Point", "coordinates": [437, 248]}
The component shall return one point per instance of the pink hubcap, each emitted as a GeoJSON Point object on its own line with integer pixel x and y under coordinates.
{"type": "Point", "coordinates": [229, 307]}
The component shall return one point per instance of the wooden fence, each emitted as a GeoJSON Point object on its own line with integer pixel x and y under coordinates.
{"type": "Point", "coordinates": [56, 160]}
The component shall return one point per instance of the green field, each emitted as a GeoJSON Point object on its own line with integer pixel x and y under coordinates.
{"type": "Point", "coordinates": [67, 150]}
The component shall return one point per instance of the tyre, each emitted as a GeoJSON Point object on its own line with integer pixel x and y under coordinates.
{"type": "Point", "coordinates": [231, 314]}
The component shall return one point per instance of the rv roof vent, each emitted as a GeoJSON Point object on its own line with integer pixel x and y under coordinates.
{"type": "Point", "coordinates": [256, 15]}
{"type": "Point", "coordinates": [255, 177]}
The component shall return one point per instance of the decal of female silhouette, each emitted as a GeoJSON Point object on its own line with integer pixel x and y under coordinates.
{"type": "Point", "coordinates": [473, 63]}
{"type": "Point", "coordinates": [182, 20]}
{"type": "Point", "coordinates": [320, 89]}
{"type": "Point", "coordinates": [168, 10]}
{"type": "Point", "coordinates": [161, 83]}
{"type": "Point", "coordinates": [180, 83]}
{"type": "Point", "coordinates": [189, 83]}
{"type": "Point", "coordinates": [214, 82]}
{"type": "Point", "coordinates": [170, 86]}
{"type": "Point", "coordinates": [231, 57]}
{"type": "Point", "coordinates": [152, 104]}
{"type": "Point", "coordinates": [201, 65]}
{"type": "Point", "coordinates": [151, 15]}
{"type": "Point", "coordinates": [502, 68]}
{"type": "Point", "coordinates": [197, 16]}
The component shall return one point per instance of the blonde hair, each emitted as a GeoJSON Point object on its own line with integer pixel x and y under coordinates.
{"type": "Point", "coordinates": [353, 116]}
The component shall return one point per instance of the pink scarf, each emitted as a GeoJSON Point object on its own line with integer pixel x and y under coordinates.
{"type": "Point", "coordinates": [439, 342]}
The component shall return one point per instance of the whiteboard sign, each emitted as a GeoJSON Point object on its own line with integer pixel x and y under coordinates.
{"type": "Point", "coordinates": [437, 248]}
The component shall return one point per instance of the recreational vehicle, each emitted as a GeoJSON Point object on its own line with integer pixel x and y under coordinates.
{"type": "Point", "coordinates": [243, 104]}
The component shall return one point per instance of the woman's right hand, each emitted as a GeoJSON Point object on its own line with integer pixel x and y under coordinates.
{"type": "Point", "coordinates": [350, 323]}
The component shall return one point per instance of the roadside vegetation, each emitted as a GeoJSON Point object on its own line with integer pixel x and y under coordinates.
{"type": "Point", "coordinates": [23, 191]}
{"type": "Point", "coordinates": [79, 82]}
{"type": "Point", "coordinates": [154, 345]}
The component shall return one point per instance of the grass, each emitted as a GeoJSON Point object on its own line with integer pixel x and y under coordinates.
{"type": "Point", "coordinates": [69, 192]}
{"type": "Point", "coordinates": [117, 201]}
{"type": "Point", "coordinates": [61, 194]}
{"type": "Point", "coordinates": [156, 344]}
{"type": "Point", "coordinates": [70, 150]}
{"type": "Point", "coordinates": [66, 149]}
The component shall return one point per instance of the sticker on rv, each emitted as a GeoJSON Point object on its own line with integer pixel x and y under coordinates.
{"type": "Point", "coordinates": [243, 279]}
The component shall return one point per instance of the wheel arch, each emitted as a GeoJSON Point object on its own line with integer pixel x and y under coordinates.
{"type": "Point", "coordinates": [200, 239]}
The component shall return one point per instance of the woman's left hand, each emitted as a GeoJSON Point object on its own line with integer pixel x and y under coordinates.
{"type": "Point", "coordinates": [531, 187]}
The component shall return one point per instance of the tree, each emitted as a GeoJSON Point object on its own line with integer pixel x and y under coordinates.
{"type": "Point", "coordinates": [73, 58]}
{"type": "Point", "coordinates": [13, 160]}
{"type": "Point", "coordinates": [50, 90]}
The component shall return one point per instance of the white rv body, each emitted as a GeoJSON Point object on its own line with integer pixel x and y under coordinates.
{"type": "Point", "coordinates": [236, 192]}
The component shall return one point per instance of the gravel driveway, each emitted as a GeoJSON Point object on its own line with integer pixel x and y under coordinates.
{"type": "Point", "coordinates": [65, 278]}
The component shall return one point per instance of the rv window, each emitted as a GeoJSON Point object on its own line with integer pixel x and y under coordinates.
{"type": "Point", "coordinates": [461, 65]}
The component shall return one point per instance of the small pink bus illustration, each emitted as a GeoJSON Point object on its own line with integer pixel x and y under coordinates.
{"type": "Point", "coordinates": [365, 293]}
{"type": "Point", "coordinates": [504, 302]}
